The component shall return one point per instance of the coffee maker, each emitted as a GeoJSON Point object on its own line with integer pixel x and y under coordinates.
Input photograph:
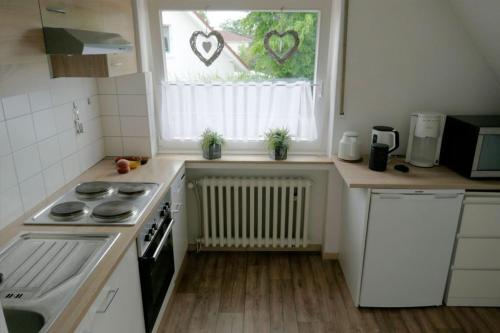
{"type": "Point", "coordinates": [424, 143]}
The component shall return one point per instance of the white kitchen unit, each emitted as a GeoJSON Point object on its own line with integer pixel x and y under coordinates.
{"type": "Point", "coordinates": [180, 231]}
{"type": "Point", "coordinates": [475, 272]}
{"type": "Point", "coordinates": [118, 308]}
{"type": "Point", "coordinates": [396, 245]}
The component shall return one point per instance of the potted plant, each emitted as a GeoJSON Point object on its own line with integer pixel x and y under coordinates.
{"type": "Point", "coordinates": [211, 143]}
{"type": "Point", "coordinates": [278, 141]}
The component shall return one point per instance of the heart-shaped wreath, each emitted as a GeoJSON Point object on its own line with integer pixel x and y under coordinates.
{"type": "Point", "coordinates": [207, 46]}
{"type": "Point", "coordinates": [281, 59]}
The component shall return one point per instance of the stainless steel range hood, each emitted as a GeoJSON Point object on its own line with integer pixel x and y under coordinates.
{"type": "Point", "coordinates": [83, 42]}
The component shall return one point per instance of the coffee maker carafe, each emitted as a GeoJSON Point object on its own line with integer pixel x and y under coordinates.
{"type": "Point", "coordinates": [424, 143]}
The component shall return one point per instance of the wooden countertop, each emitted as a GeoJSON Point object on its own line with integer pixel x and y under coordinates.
{"type": "Point", "coordinates": [160, 169]}
{"type": "Point", "coordinates": [164, 168]}
{"type": "Point", "coordinates": [358, 175]}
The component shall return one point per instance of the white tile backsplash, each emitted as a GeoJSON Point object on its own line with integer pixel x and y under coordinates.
{"type": "Point", "coordinates": [108, 104]}
{"type": "Point", "coordinates": [8, 177]}
{"type": "Point", "coordinates": [134, 126]}
{"type": "Point", "coordinates": [64, 117]}
{"type": "Point", "coordinates": [53, 177]}
{"type": "Point", "coordinates": [49, 151]}
{"type": "Point", "coordinates": [32, 191]}
{"type": "Point", "coordinates": [40, 100]}
{"type": "Point", "coordinates": [107, 86]}
{"type": "Point", "coordinates": [4, 139]}
{"type": "Point", "coordinates": [67, 142]}
{"type": "Point", "coordinates": [133, 84]}
{"type": "Point", "coordinates": [113, 146]}
{"type": "Point", "coordinates": [16, 106]}
{"type": "Point", "coordinates": [39, 148]}
{"type": "Point", "coordinates": [111, 126]}
{"type": "Point", "coordinates": [71, 167]}
{"type": "Point", "coordinates": [21, 132]}
{"type": "Point", "coordinates": [128, 114]}
{"type": "Point", "coordinates": [11, 206]}
{"type": "Point", "coordinates": [136, 146]}
{"type": "Point", "coordinates": [45, 124]}
{"type": "Point", "coordinates": [132, 105]}
{"type": "Point", "coordinates": [27, 162]}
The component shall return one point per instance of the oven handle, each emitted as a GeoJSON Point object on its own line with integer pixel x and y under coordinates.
{"type": "Point", "coordinates": [163, 240]}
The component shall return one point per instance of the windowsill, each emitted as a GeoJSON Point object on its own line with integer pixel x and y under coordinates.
{"type": "Point", "coordinates": [250, 158]}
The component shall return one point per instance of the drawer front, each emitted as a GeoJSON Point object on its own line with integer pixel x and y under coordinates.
{"type": "Point", "coordinates": [474, 284]}
{"type": "Point", "coordinates": [477, 253]}
{"type": "Point", "coordinates": [481, 220]}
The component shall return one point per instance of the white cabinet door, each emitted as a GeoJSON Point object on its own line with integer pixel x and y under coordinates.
{"type": "Point", "coordinates": [180, 232]}
{"type": "Point", "coordinates": [118, 308]}
{"type": "Point", "coordinates": [408, 249]}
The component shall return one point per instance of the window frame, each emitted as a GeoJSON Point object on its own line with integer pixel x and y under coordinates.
{"type": "Point", "coordinates": [322, 70]}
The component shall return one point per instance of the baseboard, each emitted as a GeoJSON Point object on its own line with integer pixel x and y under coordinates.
{"type": "Point", "coordinates": [309, 248]}
{"type": "Point", "coordinates": [330, 256]}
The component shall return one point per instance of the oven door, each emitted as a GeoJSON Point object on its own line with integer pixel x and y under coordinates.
{"type": "Point", "coordinates": [487, 157]}
{"type": "Point", "coordinates": [156, 268]}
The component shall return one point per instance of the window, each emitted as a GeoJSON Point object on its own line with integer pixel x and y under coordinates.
{"type": "Point", "coordinates": [246, 90]}
{"type": "Point", "coordinates": [166, 38]}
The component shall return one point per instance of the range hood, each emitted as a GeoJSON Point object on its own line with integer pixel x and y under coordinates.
{"type": "Point", "coordinates": [83, 42]}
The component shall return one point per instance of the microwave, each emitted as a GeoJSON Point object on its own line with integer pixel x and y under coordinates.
{"type": "Point", "coordinates": [471, 145]}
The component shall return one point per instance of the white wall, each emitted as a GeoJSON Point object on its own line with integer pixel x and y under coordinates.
{"type": "Point", "coordinates": [482, 21]}
{"type": "Point", "coordinates": [410, 56]}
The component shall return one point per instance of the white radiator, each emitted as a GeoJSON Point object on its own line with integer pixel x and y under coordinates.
{"type": "Point", "coordinates": [255, 212]}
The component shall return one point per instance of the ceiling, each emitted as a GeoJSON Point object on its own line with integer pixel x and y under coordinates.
{"type": "Point", "coordinates": [481, 19]}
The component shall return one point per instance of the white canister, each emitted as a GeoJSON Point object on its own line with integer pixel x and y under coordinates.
{"type": "Point", "coordinates": [349, 147]}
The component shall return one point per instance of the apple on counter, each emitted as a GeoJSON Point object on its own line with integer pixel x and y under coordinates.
{"type": "Point", "coordinates": [126, 163]}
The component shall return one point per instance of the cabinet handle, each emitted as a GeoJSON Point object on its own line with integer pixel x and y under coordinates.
{"type": "Point", "coordinates": [116, 64]}
{"type": "Point", "coordinates": [56, 10]}
{"type": "Point", "coordinates": [110, 296]}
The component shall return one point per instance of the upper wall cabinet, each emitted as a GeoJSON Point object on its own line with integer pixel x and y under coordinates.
{"type": "Point", "coordinates": [104, 16]}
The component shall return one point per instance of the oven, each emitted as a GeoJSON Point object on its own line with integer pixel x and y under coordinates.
{"type": "Point", "coordinates": [156, 262]}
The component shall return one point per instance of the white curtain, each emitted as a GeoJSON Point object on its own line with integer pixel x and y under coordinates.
{"type": "Point", "coordinates": [240, 111]}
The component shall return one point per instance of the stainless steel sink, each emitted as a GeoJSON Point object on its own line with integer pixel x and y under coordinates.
{"type": "Point", "coordinates": [42, 271]}
{"type": "Point", "coordinates": [23, 321]}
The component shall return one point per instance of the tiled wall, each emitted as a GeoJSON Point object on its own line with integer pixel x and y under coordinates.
{"type": "Point", "coordinates": [126, 105]}
{"type": "Point", "coordinates": [39, 148]}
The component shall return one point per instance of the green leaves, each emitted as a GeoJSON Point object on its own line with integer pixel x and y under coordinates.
{"type": "Point", "coordinates": [210, 137]}
{"type": "Point", "coordinates": [278, 138]}
{"type": "Point", "coordinates": [257, 24]}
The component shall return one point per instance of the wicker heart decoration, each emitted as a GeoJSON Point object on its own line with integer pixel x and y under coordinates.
{"type": "Point", "coordinates": [281, 59]}
{"type": "Point", "coordinates": [207, 45]}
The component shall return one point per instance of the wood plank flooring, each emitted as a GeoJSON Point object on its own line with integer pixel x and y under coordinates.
{"type": "Point", "coordinates": [293, 292]}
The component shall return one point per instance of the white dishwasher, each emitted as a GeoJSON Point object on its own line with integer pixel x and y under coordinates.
{"type": "Point", "coordinates": [409, 244]}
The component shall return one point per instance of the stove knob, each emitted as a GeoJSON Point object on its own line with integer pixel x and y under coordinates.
{"type": "Point", "coordinates": [147, 238]}
{"type": "Point", "coordinates": [154, 226]}
{"type": "Point", "coordinates": [151, 231]}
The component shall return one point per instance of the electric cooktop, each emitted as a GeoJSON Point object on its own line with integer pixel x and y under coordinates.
{"type": "Point", "coordinates": [99, 203]}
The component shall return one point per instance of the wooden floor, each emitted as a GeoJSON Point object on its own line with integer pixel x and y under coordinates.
{"type": "Point", "coordinates": [286, 292]}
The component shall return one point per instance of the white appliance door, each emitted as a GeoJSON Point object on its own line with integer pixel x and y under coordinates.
{"type": "Point", "coordinates": [408, 249]}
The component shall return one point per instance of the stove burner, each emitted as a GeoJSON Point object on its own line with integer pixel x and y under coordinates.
{"type": "Point", "coordinates": [68, 210]}
{"type": "Point", "coordinates": [113, 211]}
{"type": "Point", "coordinates": [93, 188]}
{"type": "Point", "coordinates": [132, 189]}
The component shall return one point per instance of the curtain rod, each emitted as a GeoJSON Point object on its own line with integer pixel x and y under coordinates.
{"type": "Point", "coordinates": [317, 84]}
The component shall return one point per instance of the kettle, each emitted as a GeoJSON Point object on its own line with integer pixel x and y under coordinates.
{"type": "Point", "coordinates": [386, 135]}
